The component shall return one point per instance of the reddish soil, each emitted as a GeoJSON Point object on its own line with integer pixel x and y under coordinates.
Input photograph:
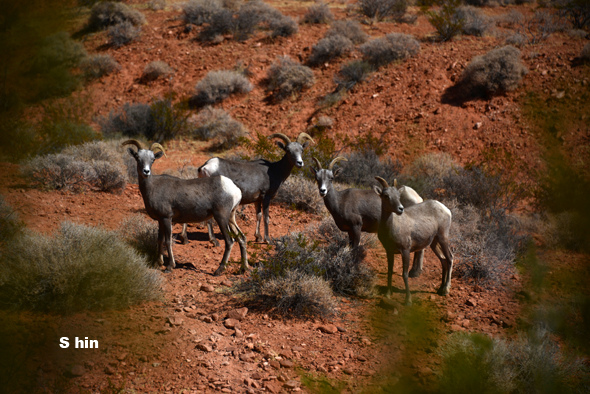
{"type": "Point", "coordinates": [181, 343]}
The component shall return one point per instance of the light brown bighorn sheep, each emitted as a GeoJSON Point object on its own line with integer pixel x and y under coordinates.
{"type": "Point", "coordinates": [259, 180]}
{"type": "Point", "coordinates": [402, 231]}
{"type": "Point", "coordinates": [170, 200]}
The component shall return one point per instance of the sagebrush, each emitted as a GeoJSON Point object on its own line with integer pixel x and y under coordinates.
{"type": "Point", "coordinates": [393, 47]}
{"type": "Point", "coordinates": [219, 85]}
{"type": "Point", "coordinates": [287, 77]}
{"type": "Point", "coordinates": [217, 125]}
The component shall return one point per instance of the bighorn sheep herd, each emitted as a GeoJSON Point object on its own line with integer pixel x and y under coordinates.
{"type": "Point", "coordinates": [403, 222]}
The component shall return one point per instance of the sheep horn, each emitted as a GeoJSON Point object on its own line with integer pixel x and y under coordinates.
{"type": "Point", "coordinates": [133, 142]}
{"type": "Point", "coordinates": [155, 145]}
{"type": "Point", "coordinates": [336, 160]}
{"type": "Point", "coordinates": [304, 136]}
{"type": "Point", "coordinates": [317, 162]}
{"type": "Point", "coordinates": [281, 136]}
{"type": "Point", "coordinates": [395, 183]}
{"type": "Point", "coordinates": [382, 181]}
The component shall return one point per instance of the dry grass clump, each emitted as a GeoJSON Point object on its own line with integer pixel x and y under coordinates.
{"type": "Point", "coordinates": [78, 268]}
{"type": "Point", "coordinates": [109, 13]}
{"type": "Point", "coordinates": [475, 21]}
{"type": "Point", "coordinates": [123, 33]}
{"type": "Point", "coordinates": [496, 72]}
{"type": "Point", "coordinates": [446, 20]}
{"type": "Point", "coordinates": [157, 5]}
{"type": "Point", "coordinates": [393, 47]}
{"type": "Point", "coordinates": [362, 167]}
{"type": "Point", "coordinates": [10, 225]}
{"type": "Point", "coordinates": [350, 29]}
{"type": "Point", "coordinates": [329, 48]}
{"type": "Point", "coordinates": [155, 70]}
{"type": "Point", "coordinates": [287, 77]}
{"type": "Point", "coordinates": [98, 66]}
{"type": "Point", "coordinates": [219, 85]}
{"type": "Point", "coordinates": [382, 9]}
{"type": "Point", "coordinates": [318, 13]}
{"type": "Point", "coordinates": [198, 12]}
{"type": "Point", "coordinates": [300, 193]}
{"type": "Point", "coordinates": [141, 233]}
{"type": "Point", "coordinates": [217, 125]}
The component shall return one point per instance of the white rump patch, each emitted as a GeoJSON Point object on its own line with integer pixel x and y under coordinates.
{"type": "Point", "coordinates": [229, 187]}
{"type": "Point", "coordinates": [409, 196]}
{"type": "Point", "coordinates": [443, 206]}
{"type": "Point", "coordinates": [210, 168]}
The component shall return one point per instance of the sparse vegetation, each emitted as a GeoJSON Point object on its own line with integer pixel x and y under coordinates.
{"type": "Point", "coordinates": [198, 12]}
{"type": "Point", "coordinates": [219, 85]}
{"type": "Point", "coordinates": [98, 66]}
{"type": "Point", "coordinates": [155, 70]}
{"type": "Point", "coordinates": [10, 225]}
{"type": "Point", "coordinates": [576, 11]}
{"type": "Point", "coordinates": [78, 268]}
{"type": "Point", "coordinates": [110, 13]}
{"type": "Point", "coordinates": [382, 9]}
{"type": "Point", "coordinates": [300, 193]}
{"type": "Point", "coordinates": [350, 29]}
{"type": "Point", "coordinates": [363, 165]}
{"type": "Point", "coordinates": [287, 77]}
{"type": "Point", "coordinates": [318, 13]}
{"type": "Point", "coordinates": [585, 54]}
{"type": "Point", "coordinates": [283, 27]}
{"type": "Point", "coordinates": [329, 48]}
{"type": "Point", "coordinates": [393, 47]}
{"type": "Point", "coordinates": [496, 72]}
{"type": "Point", "coordinates": [352, 73]}
{"type": "Point", "coordinates": [475, 22]}
{"type": "Point", "coordinates": [123, 33]}
{"type": "Point", "coordinates": [141, 233]}
{"type": "Point", "coordinates": [217, 125]}
{"type": "Point", "coordinates": [157, 5]}
{"type": "Point", "coordinates": [446, 21]}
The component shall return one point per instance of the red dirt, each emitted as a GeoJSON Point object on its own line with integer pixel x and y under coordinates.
{"type": "Point", "coordinates": [169, 346]}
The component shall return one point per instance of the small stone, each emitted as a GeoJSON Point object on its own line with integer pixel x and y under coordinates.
{"type": "Point", "coordinates": [247, 357]}
{"type": "Point", "coordinates": [465, 323]}
{"type": "Point", "coordinates": [275, 364]}
{"type": "Point", "coordinates": [471, 302]}
{"type": "Point", "coordinates": [204, 347]}
{"type": "Point", "coordinates": [292, 385]}
{"type": "Point", "coordinates": [437, 111]}
{"type": "Point", "coordinates": [449, 317]}
{"type": "Point", "coordinates": [341, 329]}
{"type": "Point", "coordinates": [256, 376]}
{"type": "Point", "coordinates": [109, 370]}
{"type": "Point", "coordinates": [122, 356]}
{"type": "Point", "coordinates": [347, 371]}
{"type": "Point", "coordinates": [238, 333]}
{"type": "Point", "coordinates": [207, 288]}
{"type": "Point", "coordinates": [328, 329]}
{"type": "Point", "coordinates": [456, 327]}
{"type": "Point", "coordinates": [77, 370]}
{"type": "Point", "coordinates": [237, 314]}
{"type": "Point", "coordinates": [175, 320]}
{"type": "Point", "coordinates": [361, 358]}
{"type": "Point", "coordinates": [207, 319]}
{"type": "Point", "coordinates": [273, 387]}
{"type": "Point", "coordinates": [231, 323]}
{"type": "Point", "coordinates": [478, 125]}
{"type": "Point", "coordinates": [286, 363]}
{"type": "Point", "coordinates": [227, 283]}
{"type": "Point", "coordinates": [215, 316]}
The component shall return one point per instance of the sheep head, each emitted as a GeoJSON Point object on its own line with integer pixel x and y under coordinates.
{"type": "Point", "coordinates": [144, 157]}
{"type": "Point", "coordinates": [293, 150]}
{"type": "Point", "coordinates": [390, 197]}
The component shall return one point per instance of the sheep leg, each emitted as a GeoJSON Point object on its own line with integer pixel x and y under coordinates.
{"type": "Point", "coordinates": [160, 245]}
{"type": "Point", "coordinates": [241, 238]}
{"type": "Point", "coordinates": [417, 264]}
{"type": "Point", "coordinates": [183, 234]}
{"type": "Point", "coordinates": [446, 287]}
{"type": "Point", "coordinates": [406, 267]}
{"type": "Point", "coordinates": [265, 207]}
{"type": "Point", "coordinates": [223, 224]}
{"type": "Point", "coordinates": [354, 236]}
{"type": "Point", "coordinates": [258, 206]}
{"type": "Point", "coordinates": [444, 262]}
{"type": "Point", "coordinates": [390, 259]}
{"type": "Point", "coordinates": [167, 228]}
{"type": "Point", "coordinates": [212, 238]}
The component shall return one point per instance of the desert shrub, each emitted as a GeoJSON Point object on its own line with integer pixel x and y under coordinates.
{"type": "Point", "coordinates": [362, 167]}
{"type": "Point", "coordinates": [10, 225]}
{"type": "Point", "coordinates": [532, 363]}
{"type": "Point", "coordinates": [97, 66]}
{"type": "Point", "coordinates": [283, 27]}
{"type": "Point", "coordinates": [78, 268]}
{"type": "Point", "coordinates": [216, 124]}
{"type": "Point", "coordinates": [198, 12]}
{"type": "Point", "coordinates": [123, 33]}
{"type": "Point", "coordinates": [329, 48]}
{"type": "Point", "coordinates": [496, 72]}
{"type": "Point", "coordinates": [219, 85]}
{"type": "Point", "coordinates": [475, 22]}
{"type": "Point", "coordinates": [61, 133]}
{"type": "Point", "coordinates": [577, 34]}
{"type": "Point", "coordinates": [576, 11]}
{"type": "Point", "coordinates": [300, 193]}
{"type": "Point", "coordinates": [350, 29]}
{"type": "Point", "coordinates": [516, 40]}
{"type": "Point", "coordinates": [155, 70]}
{"type": "Point", "coordinates": [382, 9]}
{"type": "Point", "coordinates": [157, 5]}
{"type": "Point", "coordinates": [393, 47]}
{"type": "Point", "coordinates": [446, 21]}
{"type": "Point", "coordinates": [427, 173]}
{"type": "Point", "coordinates": [318, 13]}
{"type": "Point", "coordinates": [351, 73]}
{"type": "Point", "coordinates": [159, 121]}
{"type": "Point", "coordinates": [287, 77]}
{"type": "Point", "coordinates": [221, 22]}
{"type": "Point", "coordinates": [110, 13]}
{"type": "Point", "coordinates": [564, 230]}
{"type": "Point", "coordinates": [585, 54]}
{"type": "Point", "coordinates": [141, 233]}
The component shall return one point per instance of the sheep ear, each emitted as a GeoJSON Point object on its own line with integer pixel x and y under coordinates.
{"type": "Point", "coordinates": [281, 145]}
{"type": "Point", "coordinates": [313, 170]}
{"type": "Point", "coordinates": [158, 154]}
{"type": "Point", "coordinates": [132, 152]}
{"type": "Point", "coordinates": [337, 172]}
{"type": "Point", "coordinates": [378, 190]}
{"type": "Point", "coordinates": [305, 144]}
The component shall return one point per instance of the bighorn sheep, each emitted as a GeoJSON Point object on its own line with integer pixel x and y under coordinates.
{"type": "Point", "coordinates": [169, 199]}
{"type": "Point", "coordinates": [357, 210]}
{"type": "Point", "coordinates": [402, 231]}
{"type": "Point", "coordinates": [259, 180]}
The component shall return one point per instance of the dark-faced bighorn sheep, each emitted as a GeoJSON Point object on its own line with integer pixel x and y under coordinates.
{"type": "Point", "coordinates": [402, 231]}
{"type": "Point", "coordinates": [259, 180]}
{"type": "Point", "coordinates": [357, 210]}
{"type": "Point", "coordinates": [170, 200]}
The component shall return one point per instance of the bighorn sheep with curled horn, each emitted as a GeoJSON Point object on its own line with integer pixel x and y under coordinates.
{"type": "Point", "coordinates": [170, 200]}
{"type": "Point", "coordinates": [259, 180]}
{"type": "Point", "coordinates": [402, 231]}
{"type": "Point", "coordinates": [357, 210]}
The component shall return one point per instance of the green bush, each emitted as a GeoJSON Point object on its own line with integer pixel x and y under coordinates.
{"type": "Point", "coordinates": [198, 12]}
{"type": "Point", "coordinates": [141, 232]}
{"type": "Point", "coordinates": [446, 21]}
{"type": "Point", "coordinates": [78, 268]}
{"type": "Point", "coordinates": [219, 85]}
{"type": "Point", "coordinates": [155, 70]}
{"type": "Point", "coordinates": [318, 13]}
{"type": "Point", "coordinates": [393, 47]}
{"type": "Point", "coordinates": [329, 48]}
{"type": "Point", "coordinates": [350, 29]}
{"type": "Point", "coordinates": [217, 125]}
{"type": "Point", "coordinates": [97, 66]}
{"type": "Point", "coordinates": [496, 72]}
{"type": "Point", "coordinates": [287, 77]}
{"type": "Point", "coordinates": [110, 13]}
{"type": "Point", "coordinates": [123, 33]}
{"type": "Point", "coordinates": [382, 9]}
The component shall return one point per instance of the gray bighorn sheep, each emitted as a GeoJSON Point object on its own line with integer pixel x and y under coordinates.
{"type": "Point", "coordinates": [357, 210]}
{"type": "Point", "coordinates": [170, 200]}
{"type": "Point", "coordinates": [259, 180]}
{"type": "Point", "coordinates": [402, 231]}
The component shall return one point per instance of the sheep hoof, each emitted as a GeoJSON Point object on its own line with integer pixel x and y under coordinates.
{"type": "Point", "coordinates": [183, 240]}
{"type": "Point", "coordinates": [219, 271]}
{"type": "Point", "coordinates": [258, 239]}
{"type": "Point", "coordinates": [408, 302]}
{"type": "Point", "coordinates": [215, 242]}
{"type": "Point", "coordinates": [168, 270]}
{"type": "Point", "coordinates": [414, 273]}
{"type": "Point", "coordinates": [443, 291]}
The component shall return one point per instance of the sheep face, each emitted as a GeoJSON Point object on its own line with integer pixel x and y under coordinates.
{"type": "Point", "coordinates": [144, 158]}
{"type": "Point", "coordinates": [390, 199]}
{"type": "Point", "coordinates": [294, 152]}
{"type": "Point", "coordinates": [324, 179]}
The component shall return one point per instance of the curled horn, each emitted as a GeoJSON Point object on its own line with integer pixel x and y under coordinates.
{"type": "Point", "coordinates": [281, 136]}
{"type": "Point", "coordinates": [155, 145]}
{"type": "Point", "coordinates": [382, 181]}
{"type": "Point", "coordinates": [133, 142]}
{"type": "Point", "coordinates": [317, 162]}
{"type": "Point", "coordinates": [336, 160]}
{"type": "Point", "coordinates": [395, 183]}
{"type": "Point", "coordinates": [304, 136]}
